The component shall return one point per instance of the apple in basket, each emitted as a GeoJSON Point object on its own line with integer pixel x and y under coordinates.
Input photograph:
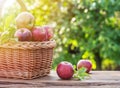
{"type": "Point", "coordinates": [85, 63]}
{"type": "Point", "coordinates": [49, 31]}
{"type": "Point", "coordinates": [44, 33]}
{"type": "Point", "coordinates": [23, 34]}
{"type": "Point", "coordinates": [25, 20]}
{"type": "Point", "coordinates": [39, 34]}
{"type": "Point", "coordinates": [65, 70]}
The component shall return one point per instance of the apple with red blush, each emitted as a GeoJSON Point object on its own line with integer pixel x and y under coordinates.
{"type": "Point", "coordinates": [44, 33]}
{"type": "Point", "coordinates": [39, 34]}
{"type": "Point", "coordinates": [65, 70]}
{"type": "Point", "coordinates": [23, 34]}
{"type": "Point", "coordinates": [49, 31]}
{"type": "Point", "coordinates": [86, 64]}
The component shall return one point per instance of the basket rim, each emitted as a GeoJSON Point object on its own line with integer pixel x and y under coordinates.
{"type": "Point", "coordinates": [29, 45]}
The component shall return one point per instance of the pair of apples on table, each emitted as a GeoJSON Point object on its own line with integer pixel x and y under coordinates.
{"type": "Point", "coordinates": [65, 69]}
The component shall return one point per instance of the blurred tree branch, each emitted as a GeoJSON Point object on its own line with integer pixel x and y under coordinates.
{"type": "Point", "coordinates": [21, 3]}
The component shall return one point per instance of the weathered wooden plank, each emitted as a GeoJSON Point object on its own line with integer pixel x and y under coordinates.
{"type": "Point", "coordinates": [101, 79]}
{"type": "Point", "coordinates": [19, 86]}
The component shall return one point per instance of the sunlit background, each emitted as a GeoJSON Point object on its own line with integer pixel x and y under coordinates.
{"type": "Point", "coordinates": [84, 29]}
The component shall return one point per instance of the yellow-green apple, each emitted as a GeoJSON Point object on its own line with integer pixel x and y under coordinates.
{"type": "Point", "coordinates": [25, 20]}
{"type": "Point", "coordinates": [65, 70]}
{"type": "Point", "coordinates": [39, 34]}
{"type": "Point", "coordinates": [85, 63]}
{"type": "Point", "coordinates": [23, 34]}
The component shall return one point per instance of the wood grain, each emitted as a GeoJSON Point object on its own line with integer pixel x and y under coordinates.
{"type": "Point", "coordinates": [98, 79]}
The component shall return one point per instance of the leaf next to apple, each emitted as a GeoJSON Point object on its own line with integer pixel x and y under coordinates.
{"type": "Point", "coordinates": [23, 34]}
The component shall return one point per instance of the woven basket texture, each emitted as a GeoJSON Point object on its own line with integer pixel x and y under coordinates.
{"type": "Point", "coordinates": [26, 60]}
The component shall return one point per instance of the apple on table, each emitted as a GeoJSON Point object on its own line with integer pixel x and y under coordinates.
{"type": "Point", "coordinates": [85, 63]}
{"type": "Point", "coordinates": [65, 70]}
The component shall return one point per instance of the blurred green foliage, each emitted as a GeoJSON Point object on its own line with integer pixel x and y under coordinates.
{"type": "Point", "coordinates": [84, 29]}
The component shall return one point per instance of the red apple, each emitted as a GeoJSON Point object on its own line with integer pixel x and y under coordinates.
{"type": "Point", "coordinates": [25, 20]}
{"type": "Point", "coordinates": [85, 63]}
{"type": "Point", "coordinates": [65, 70]}
{"type": "Point", "coordinates": [39, 34]}
{"type": "Point", "coordinates": [23, 34]}
{"type": "Point", "coordinates": [49, 31]}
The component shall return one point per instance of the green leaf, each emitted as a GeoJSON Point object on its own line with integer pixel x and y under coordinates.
{"type": "Point", "coordinates": [81, 74]}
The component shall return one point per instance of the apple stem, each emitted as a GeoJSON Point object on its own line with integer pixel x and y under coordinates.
{"type": "Point", "coordinates": [23, 7]}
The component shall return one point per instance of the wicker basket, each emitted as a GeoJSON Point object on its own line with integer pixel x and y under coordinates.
{"type": "Point", "coordinates": [26, 60]}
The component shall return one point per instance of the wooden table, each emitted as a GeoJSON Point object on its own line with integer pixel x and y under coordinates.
{"type": "Point", "coordinates": [98, 79]}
